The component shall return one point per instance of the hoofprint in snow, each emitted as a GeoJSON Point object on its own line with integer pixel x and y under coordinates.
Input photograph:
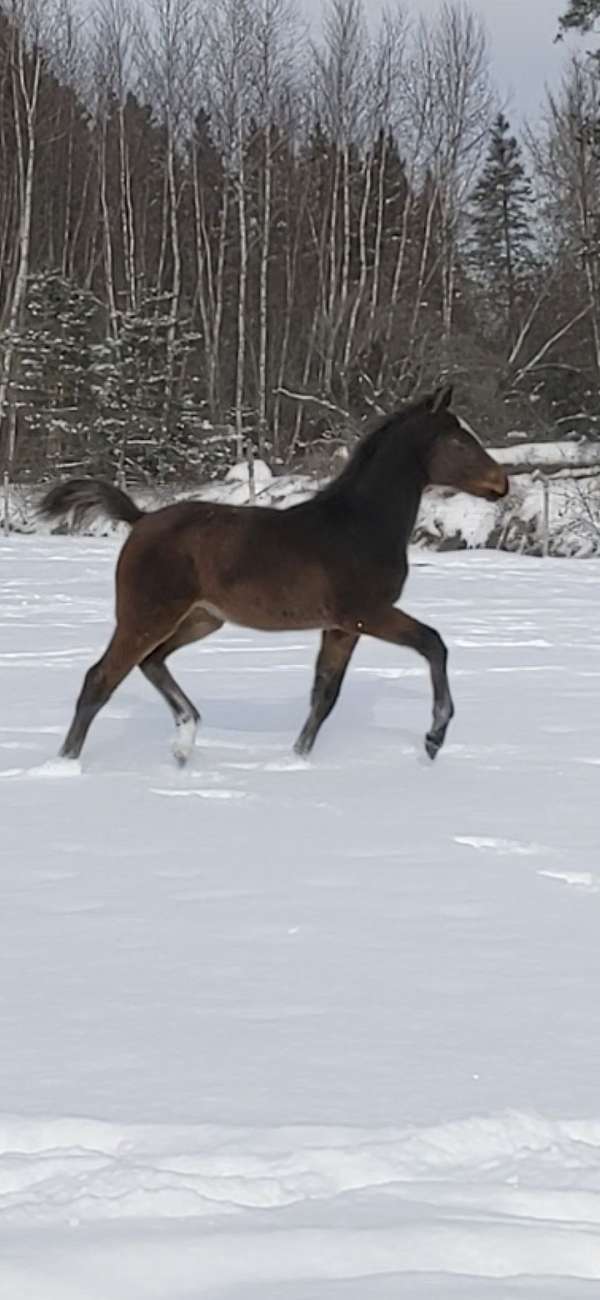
{"type": "Point", "coordinates": [302, 1031]}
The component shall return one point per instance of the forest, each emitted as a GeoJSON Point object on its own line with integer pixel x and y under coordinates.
{"type": "Point", "coordinates": [220, 228]}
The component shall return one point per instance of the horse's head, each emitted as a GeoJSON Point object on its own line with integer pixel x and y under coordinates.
{"type": "Point", "coordinates": [455, 457]}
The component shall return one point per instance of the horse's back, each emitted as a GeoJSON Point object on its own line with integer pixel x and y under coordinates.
{"type": "Point", "coordinates": [256, 566]}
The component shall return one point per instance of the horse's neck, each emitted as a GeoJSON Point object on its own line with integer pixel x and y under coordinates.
{"type": "Point", "coordinates": [392, 505]}
{"type": "Point", "coordinates": [380, 501]}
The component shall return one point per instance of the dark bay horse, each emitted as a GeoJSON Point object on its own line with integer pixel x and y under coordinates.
{"type": "Point", "coordinates": [336, 562]}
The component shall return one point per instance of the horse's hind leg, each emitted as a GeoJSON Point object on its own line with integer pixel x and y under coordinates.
{"type": "Point", "coordinates": [98, 685]}
{"type": "Point", "coordinates": [186, 715]}
{"type": "Point", "coordinates": [184, 712]}
{"type": "Point", "coordinates": [332, 662]}
{"type": "Point", "coordinates": [127, 648]}
{"type": "Point", "coordinates": [393, 625]}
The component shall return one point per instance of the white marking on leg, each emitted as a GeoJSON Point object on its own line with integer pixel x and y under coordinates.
{"type": "Point", "coordinates": [185, 737]}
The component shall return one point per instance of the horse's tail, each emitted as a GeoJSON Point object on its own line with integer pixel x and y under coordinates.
{"type": "Point", "coordinates": [85, 499]}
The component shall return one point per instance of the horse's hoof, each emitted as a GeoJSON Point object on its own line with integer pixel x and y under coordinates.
{"type": "Point", "coordinates": [432, 746]}
{"type": "Point", "coordinates": [183, 744]}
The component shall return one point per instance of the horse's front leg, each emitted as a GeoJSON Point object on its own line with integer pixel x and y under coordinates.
{"type": "Point", "coordinates": [392, 625]}
{"type": "Point", "coordinates": [332, 662]}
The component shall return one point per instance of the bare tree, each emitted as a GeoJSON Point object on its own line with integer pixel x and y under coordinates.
{"type": "Point", "coordinates": [293, 217]}
{"type": "Point", "coordinates": [340, 70]}
{"type": "Point", "coordinates": [169, 46]}
{"type": "Point", "coordinates": [383, 73]}
{"type": "Point", "coordinates": [569, 164]}
{"type": "Point", "coordinates": [230, 88]}
{"type": "Point", "coordinates": [114, 41]}
{"type": "Point", "coordinates": [453, 103]}
{"type": "Point", "coordinates": [389, 69]}
{"type": "Point", "coordinates": [102, 77]}
{"type": "Point", "coordinates": [274, 31]}
{"type": "Point", "coordinates": [461, 105]}
{"type": "Point", "coordinates": [30, 25]}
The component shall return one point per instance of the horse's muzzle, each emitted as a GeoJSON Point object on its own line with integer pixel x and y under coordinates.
{"type": "Point", "coordinates": [495, 486]}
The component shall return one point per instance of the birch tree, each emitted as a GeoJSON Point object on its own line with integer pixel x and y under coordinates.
{"type": "Point", "coordinates": [454, 112]}
{"type": "Point", "coordinates": [571, 168]}
{"type": "Point", "coordinates": [114, 37]}
{"type": "Point", "coordinates": [169, 46]}
{"type": "Point", "coordinates": [341, 69]}
{"type": "Point", "coordinates": [274, 31]}
{"type": "Point", "coordinates": [383, 66]}
{"type": "Point", "coordinates": [30, 24]}
{"type": "Point", "coordinates": [229, 81]}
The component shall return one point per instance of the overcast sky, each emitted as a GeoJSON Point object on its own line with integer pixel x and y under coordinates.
{"type": "Point", "coordinates": [521, 34]}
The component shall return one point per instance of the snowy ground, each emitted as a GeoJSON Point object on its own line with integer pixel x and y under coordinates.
{"type": "Point", "coordinates": [274, 1030]}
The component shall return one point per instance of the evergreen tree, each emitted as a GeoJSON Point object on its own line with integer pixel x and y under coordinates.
{"type": "Point", "coordinates": [53, 351]}
{"type": "Point", "coordinates": [501, 235]}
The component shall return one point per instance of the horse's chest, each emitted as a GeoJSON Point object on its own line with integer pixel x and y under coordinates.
{"type": "Point", "coordinates": [369, 588]}
{"type": "Point", "coordinates": [385, 581]}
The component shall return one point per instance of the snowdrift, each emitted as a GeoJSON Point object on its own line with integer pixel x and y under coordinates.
{"type": "Point", "coordinates": [447, 520]}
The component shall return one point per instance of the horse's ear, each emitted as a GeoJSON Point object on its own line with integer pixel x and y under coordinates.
{"type": "Point", "coordinates": [442, 397]}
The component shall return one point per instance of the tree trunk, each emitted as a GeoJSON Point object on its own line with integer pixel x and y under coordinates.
{"type": "Point", "coordinates": [360, 292]}
{"type": "Point", "coordinates": [109, 276]}
{"type": "Point", "coordinates": [263, 294]}
{"type": "Point", "coordinates": [127, 217]}
{"type": "Point", "coordinates": [26, 96]}
{"type": "Point", "coordinates": [242, 278]}
{"type": "Point", "coordinates": [378, 232]}
{"type": "Point", "coordinates": [176, 281]}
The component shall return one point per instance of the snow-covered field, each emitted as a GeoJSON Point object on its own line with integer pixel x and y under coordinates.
{"type": "Point", "coordinates": [276, 1030]}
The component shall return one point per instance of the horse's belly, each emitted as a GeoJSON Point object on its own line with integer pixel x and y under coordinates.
{"type": "Point", "coordinates": [283, 611]}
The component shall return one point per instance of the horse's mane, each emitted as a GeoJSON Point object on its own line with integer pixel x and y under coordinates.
{"type": "Point", "coordinates": [391, 436]}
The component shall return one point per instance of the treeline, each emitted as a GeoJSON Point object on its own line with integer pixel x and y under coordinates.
{"type": "Point", "coordinates": [215, 228]}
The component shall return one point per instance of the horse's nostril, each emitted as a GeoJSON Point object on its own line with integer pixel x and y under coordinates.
{"type": "Point", "coordinates": [495, 489]}
{"type": "Point", "coordinates": [499, 486]}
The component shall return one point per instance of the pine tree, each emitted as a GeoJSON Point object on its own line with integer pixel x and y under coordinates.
{"type": "Point", "coordinates": [53, 351]}
{"type": "Point", "coordinates": [501, 235]}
